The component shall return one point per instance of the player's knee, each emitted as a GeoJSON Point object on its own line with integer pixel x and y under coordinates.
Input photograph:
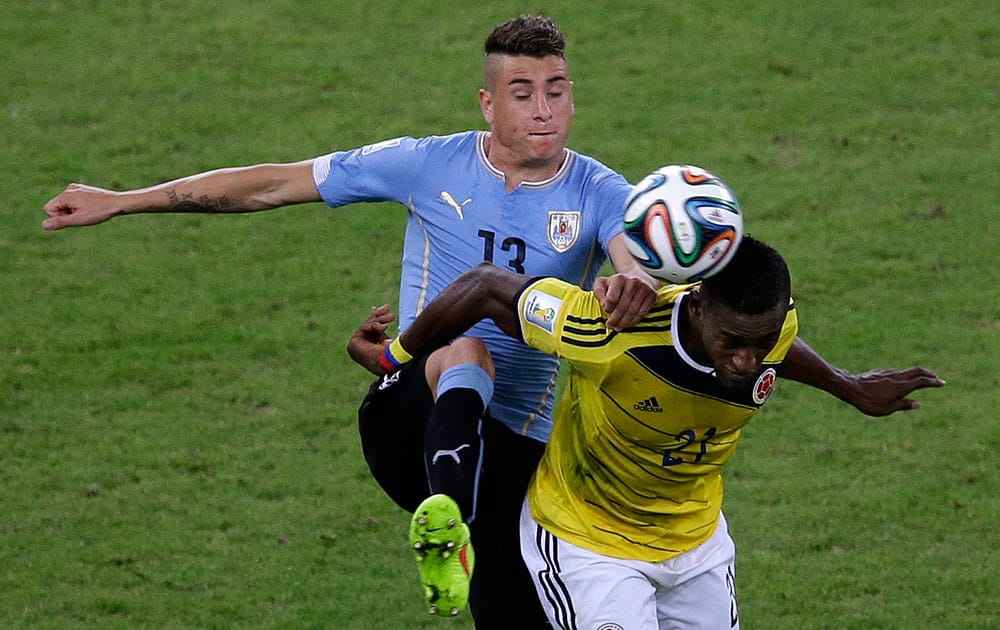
{"type": "Point", "coordinates": [471, 350]}
{"type": "Point", "coordinates": [462, 351]}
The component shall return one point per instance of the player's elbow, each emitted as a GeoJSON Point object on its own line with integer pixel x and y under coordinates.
{"type": "Point", "coordinates": [488, 289]}
{"type": "Point", "coordinates": [278, 185]}
{"type": "Point", "coordinates": [477, 284]}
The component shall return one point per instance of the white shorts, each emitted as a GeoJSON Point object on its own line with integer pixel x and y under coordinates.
{"type": "Point", "coordinates": [583, 590]}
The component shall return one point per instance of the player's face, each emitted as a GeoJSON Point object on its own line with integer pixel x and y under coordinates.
{"type": "Point", "coordinates": [528, 103]}
{"type": "Point", "coordinates": [736, 343]}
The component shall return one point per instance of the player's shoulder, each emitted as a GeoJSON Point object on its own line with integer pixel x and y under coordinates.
{"type": "Point", "coordinates": [595, 169]}
{"type": "Point", "coordinates": [413, 154]}
{"type": "Point", "coordinates": [670, 293]}
{"type": "Point", "coordinates": [546, 305]}
{"type": "Point", "coordinates": [422, 144]}
{"type": "Point", "coordinates": [447, 141]}
{"type": "Point", "coordinates": [558, 292]}
{"type": "Point", "coordinates": [590, 175]}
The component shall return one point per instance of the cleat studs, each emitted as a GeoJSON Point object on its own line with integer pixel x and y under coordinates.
{"type": "Point", "coordinates": [452, 522]}
{"type": "Point", "coordinates": [454, 611]}
{"type": "Point", "coordinates": [433, 610]}
{"type": "Point", "coordinates": [422, 520]}
{"type": "Point", "coordinates": [450, 545]}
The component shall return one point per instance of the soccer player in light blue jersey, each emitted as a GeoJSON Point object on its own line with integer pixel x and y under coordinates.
{"type": "Point", "coordinates": [517, 197]}
{"type": "Point", "coordinates": [463, 211]}
{"type": "Point", "coordinates": [514, 196]}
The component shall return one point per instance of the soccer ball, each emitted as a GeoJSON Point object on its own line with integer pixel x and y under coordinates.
{"type": "Point", "coordinates": [682, 223]}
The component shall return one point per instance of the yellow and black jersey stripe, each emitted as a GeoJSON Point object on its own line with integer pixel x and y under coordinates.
{"type": "Point", "coordinates": [642, 430]}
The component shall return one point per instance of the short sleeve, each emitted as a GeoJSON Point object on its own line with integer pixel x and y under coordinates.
{"type": "Point", "coordinates": [550, 309]}
{"type": "Point", "coordinates": [376, 172]}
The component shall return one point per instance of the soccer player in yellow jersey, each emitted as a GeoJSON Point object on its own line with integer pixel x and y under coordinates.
{"type": "Point", "coordinates": [623, 524]}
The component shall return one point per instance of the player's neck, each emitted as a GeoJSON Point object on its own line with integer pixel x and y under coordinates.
{"type": "Point", "coordinates": [518, 171]}
{"type": "Point", "coordinates": [690, 333]}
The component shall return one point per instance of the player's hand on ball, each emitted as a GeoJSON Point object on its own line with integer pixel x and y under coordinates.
{"type": "Point", "coordinates": [80, 205]}
{"type": "Point", "coordinates": [368, 341]}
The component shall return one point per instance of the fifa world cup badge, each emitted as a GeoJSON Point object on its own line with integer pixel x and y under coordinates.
{"type": "Point", "coordinates": [540, 309]}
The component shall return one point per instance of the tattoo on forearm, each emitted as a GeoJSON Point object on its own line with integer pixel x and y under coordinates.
{"type": "Point", "coordinates": [185, 202]}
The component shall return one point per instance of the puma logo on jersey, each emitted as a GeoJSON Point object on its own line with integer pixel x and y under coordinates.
{"type": "Point", "coordinates": [650, 404]}
{"type": "Point", "coordinates": [452, 454]}
{"type": "Point", "coordinates": [448, 199]}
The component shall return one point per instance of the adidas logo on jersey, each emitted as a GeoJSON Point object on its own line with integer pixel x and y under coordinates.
{"type": "Point", "coordinates": [650, 404]}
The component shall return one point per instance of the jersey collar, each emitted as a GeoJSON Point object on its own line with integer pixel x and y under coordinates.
{"type": "Point", "coordinates": [675, 337]}
{"type": "Point", "coordinates": [563, 168]}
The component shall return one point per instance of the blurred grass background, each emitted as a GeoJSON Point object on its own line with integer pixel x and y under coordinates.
{"type": "Point", "coordinates": [177, 414]}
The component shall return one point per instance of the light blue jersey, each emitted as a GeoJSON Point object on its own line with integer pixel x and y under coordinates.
{"type": "Point", "coordinates": [461, 215]}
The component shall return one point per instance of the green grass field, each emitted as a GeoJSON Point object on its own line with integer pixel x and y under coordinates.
{"type": "Point", "coordinates": [177, 413]}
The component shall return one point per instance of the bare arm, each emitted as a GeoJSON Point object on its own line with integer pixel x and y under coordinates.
{"type": "Point", "coordinates": [484, 292]}
{"type": "Point", "coordinates": [875, 393]}
{"type": "Point", "coordinates": [487, 292]}
{"type": "Point", "coordinates": [243, 189]}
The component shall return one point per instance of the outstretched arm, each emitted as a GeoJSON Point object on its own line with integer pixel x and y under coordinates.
{"type": "Point", "coordinates": [244, 189]}
{"type": "Point", "coordinates": [875, 393]}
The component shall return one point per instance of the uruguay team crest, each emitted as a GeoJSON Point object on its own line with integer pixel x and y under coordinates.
{"type": "Point", "coordinates": [564, 228]}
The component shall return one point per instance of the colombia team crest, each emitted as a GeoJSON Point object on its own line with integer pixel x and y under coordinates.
{"type": "Point", "coordinates": [564, 228]}
{"type": "Point", "coordinates": [764, 386]}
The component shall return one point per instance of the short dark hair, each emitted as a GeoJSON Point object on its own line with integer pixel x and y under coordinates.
{"type": "Point", "coordinates": [755, 281]}
{"type": "Point", "coordinates": [527, 35]}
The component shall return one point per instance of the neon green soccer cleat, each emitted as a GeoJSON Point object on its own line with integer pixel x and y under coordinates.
{"type": "Point", "coordinates": [442, 546]}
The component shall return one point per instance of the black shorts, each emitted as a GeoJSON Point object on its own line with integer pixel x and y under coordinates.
{"type": "Point", "coordinates": [392, 421]}
{"type": "Point", "coordinates": [502, 595]}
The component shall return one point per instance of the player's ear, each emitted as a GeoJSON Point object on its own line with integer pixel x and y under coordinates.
{"type": "Point", "coordinates": [696, 305]}
{"type": "Point", "coordinates": [486, 104]}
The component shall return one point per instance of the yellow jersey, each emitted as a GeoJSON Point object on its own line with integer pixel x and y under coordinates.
{"type": "Point", "coordinates": [633, 466]}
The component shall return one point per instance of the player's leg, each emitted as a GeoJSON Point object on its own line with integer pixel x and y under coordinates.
{"type": "Point", "coordinates": [582, 589]}
{"type": "Point", "coordinates": [392, 421]}
{"type": "Point", "coordinates": [502, 594]}
{"type": "Point", "coordinates": [698, 589]}
{"type": "Point", "coordinates": [461, 377]}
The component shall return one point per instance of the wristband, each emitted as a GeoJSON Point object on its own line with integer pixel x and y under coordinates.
{"type": "Point", "coordinates": [394, 356]}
